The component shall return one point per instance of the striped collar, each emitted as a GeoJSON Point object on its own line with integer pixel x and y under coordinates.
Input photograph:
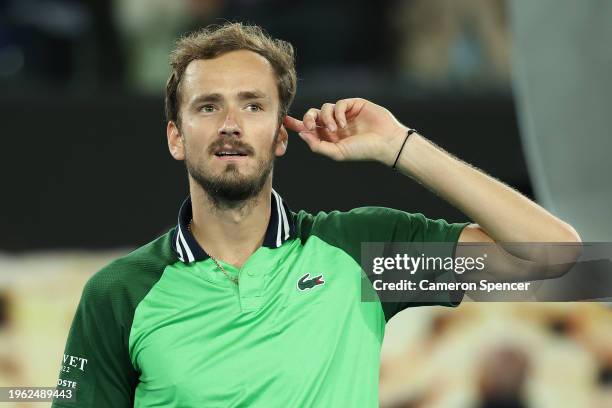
{"type": "Point", "coordinates": [280, 228]}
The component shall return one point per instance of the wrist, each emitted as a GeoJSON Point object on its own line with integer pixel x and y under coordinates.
{"type": "Point", "coordinates": [396, 146]}
{"type": "Point", "coordinates": [392, 145]}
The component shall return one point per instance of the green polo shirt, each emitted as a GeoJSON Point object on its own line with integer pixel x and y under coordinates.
{"type": "Point", "coordinates": [164, 327]}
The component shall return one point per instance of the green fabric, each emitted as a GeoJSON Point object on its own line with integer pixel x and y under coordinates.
{"type": "Point", "coordinates": [348, 230]}
{"type": "Point", "coordinates": [160, 332]}
{"type": "Point", "coordinates": [97, 343]}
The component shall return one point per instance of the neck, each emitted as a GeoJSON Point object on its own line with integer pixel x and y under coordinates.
{"type": "Point", "coordinates": [230, 234]}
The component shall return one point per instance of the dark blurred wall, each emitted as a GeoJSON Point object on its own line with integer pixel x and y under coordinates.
{"type": "Point", "coordinates": [95, 172]}
{"type": "Point", "coordinates": [345, 35]}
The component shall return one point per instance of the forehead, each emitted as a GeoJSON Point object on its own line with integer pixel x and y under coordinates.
{"type": "Point", "coordinates": [229, 74]}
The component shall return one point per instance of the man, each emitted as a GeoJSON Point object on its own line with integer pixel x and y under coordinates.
{"type": "Point", "coordinates": [244, 302]}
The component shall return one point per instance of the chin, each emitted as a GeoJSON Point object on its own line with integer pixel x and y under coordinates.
{"type": "Point", "coordinates": [231, 183]}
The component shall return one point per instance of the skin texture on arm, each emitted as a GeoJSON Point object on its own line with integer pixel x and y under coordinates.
{"type": "Point", "coordinates": [357, 129]}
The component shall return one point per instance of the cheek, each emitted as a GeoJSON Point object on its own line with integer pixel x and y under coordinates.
{"type": "Point", "coordinates": [197, 137]}
{"type": "Point", "coordinates": [270, 146]}
{"type": "Point", "coordinates": [201, 125]}
{"type": "Point", "coordinates": [195, 152]}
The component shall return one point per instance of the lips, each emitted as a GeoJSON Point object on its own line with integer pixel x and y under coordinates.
{"type": "Point", "coordinates": [230, 151]}
{"type": "Point", "coordinates": [226, 153]}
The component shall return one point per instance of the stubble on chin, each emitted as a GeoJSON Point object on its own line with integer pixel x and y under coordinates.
{"type": "Point", "coordinates": [231, 189]}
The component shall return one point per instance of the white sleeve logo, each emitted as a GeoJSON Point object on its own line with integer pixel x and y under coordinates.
{"type": "Point", "coordinates": [73, 362]}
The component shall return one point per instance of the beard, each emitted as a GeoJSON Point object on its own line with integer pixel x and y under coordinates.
{"type": "Point", "coordinates": [231, 188]}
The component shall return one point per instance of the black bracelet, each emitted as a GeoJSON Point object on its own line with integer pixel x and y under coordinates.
{"type": "Point", "coordinates": [410, 131]}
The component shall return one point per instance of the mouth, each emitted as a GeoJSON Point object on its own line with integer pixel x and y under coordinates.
{"type": "Point", "coordinates": [230, 153]}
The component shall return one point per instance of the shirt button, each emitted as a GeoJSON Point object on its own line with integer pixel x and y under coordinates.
{"type": "Point", "coordinates": [250, 272]}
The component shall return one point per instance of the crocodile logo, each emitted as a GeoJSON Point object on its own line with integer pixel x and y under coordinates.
{"type": "Point", "coordinates": [305, 283]}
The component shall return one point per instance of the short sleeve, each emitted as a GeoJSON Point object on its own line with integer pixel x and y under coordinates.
{"type": "Point", "coordinates": [96, 364]}
{"type": "Point", "coordinates": [349, 230]}
{"type": "Point", "coordinates": [390, 225]}
{"type": "Point", "coordinates": [417, 228]}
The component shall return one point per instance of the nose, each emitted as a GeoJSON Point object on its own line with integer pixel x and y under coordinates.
{"type": "Point", "coordinates": [230, 127]}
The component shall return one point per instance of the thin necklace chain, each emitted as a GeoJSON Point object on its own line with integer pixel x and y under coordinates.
{"type": "Point", "coordinates": [233, 279]}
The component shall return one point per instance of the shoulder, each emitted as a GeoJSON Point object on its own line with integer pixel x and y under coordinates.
{"type": "Point", "coordinates": [371, 220]}
{"type": "Point", "coordinates": [355, 215]}
{"type": "Point", "coordinates": [129, 276]}
{"type": "Point", "coordinates": [348, 229]}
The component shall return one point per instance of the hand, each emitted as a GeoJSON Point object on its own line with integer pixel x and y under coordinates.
{"type": "Point", "coordinates": [351, 129]}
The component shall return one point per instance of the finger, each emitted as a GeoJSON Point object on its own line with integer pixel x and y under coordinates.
{"type": "Point", "coordinates": [319, 146]}
{"type": "Point", "coordinates": [330, 150]}
{"type": "Point", "coordinates": [354, 106]}
{"type": "Point", "coordinates": [327, 116]}
{"type": "Point", "coordinates": [339, 112]}
{"type": "Point", "coordinates": [294, 124]}
{"type": "Point", "coordinates": [310, 138]}
{"type": "Point", "coordinates": [311, 117]}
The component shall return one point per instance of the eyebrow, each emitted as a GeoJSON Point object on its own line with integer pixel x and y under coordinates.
{"type": "Point", "coordinates": [242, 95]}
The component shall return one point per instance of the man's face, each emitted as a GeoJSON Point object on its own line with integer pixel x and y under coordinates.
{"type": "Point", "coordinates": [229, 127]}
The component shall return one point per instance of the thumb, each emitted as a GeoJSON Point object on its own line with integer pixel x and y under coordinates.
{"type": "Point", "coordinates": [319, 146]}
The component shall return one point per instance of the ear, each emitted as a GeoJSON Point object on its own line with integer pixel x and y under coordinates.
{"type": "Point", "coordinates": [282, 142]}
{"type": "Point", "coordinates": [175, 141]}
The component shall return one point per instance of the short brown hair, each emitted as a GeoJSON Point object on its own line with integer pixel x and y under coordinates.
{"type": "Point", "coordinates": [215, 40]}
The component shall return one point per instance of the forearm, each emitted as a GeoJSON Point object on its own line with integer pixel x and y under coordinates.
{"type": "Point", "coordinates": [505, 214]}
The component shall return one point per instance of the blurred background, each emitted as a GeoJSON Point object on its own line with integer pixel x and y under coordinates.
{"type": "Point", "coordinates": [519, 89]}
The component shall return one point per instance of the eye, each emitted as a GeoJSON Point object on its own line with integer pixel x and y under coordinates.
{"type": "Point", "coordinates": [207, 108]}
{"type": "Point", "coordinates": [253, 107]}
